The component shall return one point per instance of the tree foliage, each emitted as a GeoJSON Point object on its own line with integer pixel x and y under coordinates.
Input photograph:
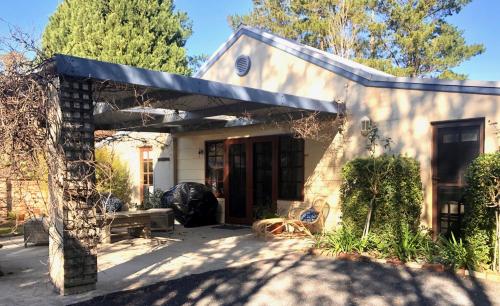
{"type": "Point", "coordinates": [329, 25]}
{"type": "Point", "coordinates": [401, 37]}
{"type": "Point", "coordinates": [144, 33]}
{"type": "Point", "coordinates": [112, 175]}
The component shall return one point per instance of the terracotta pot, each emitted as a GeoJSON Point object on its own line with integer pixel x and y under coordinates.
{"type": "Point", "coordinates": [435, 267]}
{"type": "Point", "coordinates": [364, 258]}
{"type": "Point", "coordinates": [348, 256]}
{"type": "Point", "coordinates": [315, 251]}
{"type": "Point", "coordinates": [460, 272]}
{"type": "Point", "coordinates": [395, 262]}
{"type": "Point", "coordinates": [276, 228]}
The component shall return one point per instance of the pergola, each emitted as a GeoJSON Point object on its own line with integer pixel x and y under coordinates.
{"type": "Point", "coordinates": [172, 102]}
{"type": "Point", "coordinates": [92, 95]}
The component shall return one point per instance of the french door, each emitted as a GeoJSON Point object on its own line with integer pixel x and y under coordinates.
{"type": "Point", "coordinates": [237, 208]}
{"type": "Point", "coordinates": [250, 178]}
{"type": "Point", "coordinates": [455, 145]}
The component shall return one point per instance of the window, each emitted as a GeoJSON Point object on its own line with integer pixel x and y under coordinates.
{"type": "Point", "coordinates": [291, 168]}
{"type": "Point", "coordinates": [214, 167]}
{"type": "Point", "coordinates": [146, 160]}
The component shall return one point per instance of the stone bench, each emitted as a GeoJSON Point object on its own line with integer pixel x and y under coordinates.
{"type": "Point", "coordinates": [138, 223]}
{"type": "Point", "coordinates": [36, 231]}
{"type": "Point", "coordinates": [162, 219]}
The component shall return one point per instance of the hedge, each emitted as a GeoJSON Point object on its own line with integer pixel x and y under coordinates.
{"type": "Point", "coordinates": [479, 220]}
{"type": "Point", "coordinates": [400, 199]}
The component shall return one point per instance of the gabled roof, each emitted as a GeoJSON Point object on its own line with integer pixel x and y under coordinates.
{"type": "Point", "coordinates": [349, 69]}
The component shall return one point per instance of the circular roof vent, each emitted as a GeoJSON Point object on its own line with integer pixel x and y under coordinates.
{"type": "Point", "coordinates": [242, 65]}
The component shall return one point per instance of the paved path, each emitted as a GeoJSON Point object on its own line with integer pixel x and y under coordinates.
{"type": "Point", "coordinates": [305, 280]}
{"type": "Point", "coordinates": [132, 263]}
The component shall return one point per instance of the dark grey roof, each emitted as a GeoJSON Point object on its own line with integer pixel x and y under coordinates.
{"type": "Point", "coordinates": [193, 100]}
{"type": "Point", "coordinates": [354, 71]}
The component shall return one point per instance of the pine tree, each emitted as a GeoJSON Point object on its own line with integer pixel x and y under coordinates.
{"type": "Point", "coordinates": [419, 41]}
{"type": "Point", "coordinates": [335, 26]}
{"type": "Point", "coordinates": [401, 37]}
{"type": "Point", "coordinates": [144, 33]}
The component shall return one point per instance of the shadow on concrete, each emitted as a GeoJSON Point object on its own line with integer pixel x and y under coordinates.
{"type": "Point", "coordinates": [133, 263]}
{"type": "Point", "coordinates": [295, 280]}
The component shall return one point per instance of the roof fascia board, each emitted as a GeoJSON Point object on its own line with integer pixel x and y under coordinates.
{"type": "Point", "coordinates": [352, 73]}
{"type": "Point", "coordinates": [219, 52]}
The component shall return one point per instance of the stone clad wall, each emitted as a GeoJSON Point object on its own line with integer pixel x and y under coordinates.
{"type": "Point", "coordinates": [73, 234]}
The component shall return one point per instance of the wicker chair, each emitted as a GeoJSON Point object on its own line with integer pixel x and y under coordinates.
{"type": "Point", "coordinates": [36, 231]}
{"type": "Point", "coordinates": [320, 207]}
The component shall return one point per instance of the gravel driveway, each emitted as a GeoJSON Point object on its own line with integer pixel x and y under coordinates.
{"type": "Point", "coordinates": [307, 280]}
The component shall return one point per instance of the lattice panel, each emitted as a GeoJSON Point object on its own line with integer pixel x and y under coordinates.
{"type": "Point", "coordinates": [77, 135]}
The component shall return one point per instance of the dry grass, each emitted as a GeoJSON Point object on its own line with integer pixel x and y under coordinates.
{"type": "Point", "coordinates": [280, 227]}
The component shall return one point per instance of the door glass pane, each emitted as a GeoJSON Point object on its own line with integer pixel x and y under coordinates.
{"type": "Point", "coordinates": [470, 134]}
{"type": "Point", "coordinates": [237, 181]}
{"type": "Point", "coordinates": [262, 179]}
{"type": "Point", "coordinates": [450, 137]}
{"type": "Point", "coordinates": [455, 156]}
{"type": "Point", "coordinates": [214, 167]}
{"type": "Point", "coordinates": [211, 162]}
{"type": "Point", "coordinates": [291, 168]}
{"type": "Point", "coordinates": [451, 210]}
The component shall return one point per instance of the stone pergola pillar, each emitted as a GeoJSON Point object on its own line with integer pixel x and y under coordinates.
{"type": "Point", "coordinates": [73, 232]}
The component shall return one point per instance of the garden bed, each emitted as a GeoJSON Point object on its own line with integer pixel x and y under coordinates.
{"type": "Point", "coordinates": [434, 267]}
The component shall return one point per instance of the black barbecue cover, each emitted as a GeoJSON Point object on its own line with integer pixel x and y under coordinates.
{"type": "Point", "coordinates": [193, 204]}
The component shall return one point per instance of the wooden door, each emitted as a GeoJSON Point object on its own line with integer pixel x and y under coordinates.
{"type": "Point", "coordinates": [455, 145]}
{"type": "Point", "coordinates": [237, 184]}
{"type": "Point", "coordinates": [251, 178]}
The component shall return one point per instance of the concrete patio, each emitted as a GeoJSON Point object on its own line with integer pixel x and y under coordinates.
{"type": "Point", "coordinates": [132, 263]}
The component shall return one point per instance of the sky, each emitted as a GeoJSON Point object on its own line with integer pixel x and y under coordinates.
{"type": "Point", "coordinates": [480, 22]}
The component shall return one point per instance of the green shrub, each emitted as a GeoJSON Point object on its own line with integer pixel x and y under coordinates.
{"type": "Point", "coordinates": [413, 245]}
{"type": "Point", "coordinates": [343, 240]}
{"type": "Point", "coordinates": [430, 248]}
{"type": "Point", "coordinates": [479, 220]}
{"type": "Point", "coordinates": [380, 244]}
{"type": "Point", "coordinates": [400, 193]}
{"type": "Point", "coordinates": [478, 251]}
{"type": "Point", "coordinates": [112, 175]}
{"type": "Point", "coordinates": [453, 253]}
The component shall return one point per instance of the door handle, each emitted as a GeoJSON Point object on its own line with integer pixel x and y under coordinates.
{"type": "Point", "coordinates": [435, 178]}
